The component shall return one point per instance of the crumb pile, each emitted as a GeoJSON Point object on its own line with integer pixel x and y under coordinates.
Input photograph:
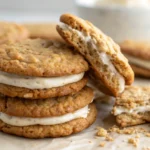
{"type": "Point", "coordinates": [134, 132]}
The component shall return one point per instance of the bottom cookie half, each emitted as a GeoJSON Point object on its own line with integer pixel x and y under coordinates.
{"type": "Point", "coordinates": [12, 91]}
{"type": "Point", "coordinates": [125, 120]}
{"type": "Point", "coordinates": [41, 131]}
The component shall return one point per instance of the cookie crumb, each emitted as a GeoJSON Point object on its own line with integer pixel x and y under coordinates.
{"type": "Point", "coordinates": [137, 136]}
{"type": "Point", "coordinates": [147, 134]}
{"type": "Point", "coordinates": [102, 144]}
{"type": "Point", "coordinates": [129, 130]}
{"type": "Point", "coordinates": [133, 141]}
{"type": "Point", "coordinates": [146, 148]}
{"type": "Point", "coordinates": [101, 132]}
{"type": "Point", "coordinates": [123, 131]}
{"type": "Point", "coordinates": [109, 138]}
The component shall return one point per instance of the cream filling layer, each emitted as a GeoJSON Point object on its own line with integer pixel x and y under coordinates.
{"type": "Point", "coordinates": [139, 62]}
{"type": "Point", "coordinates": [107, 61]}
{"type": "Point", "coordinates": [102, 56]}
{"type": "Point", "coordinates": [139, 109]}
{"type": "Point", "coordinates": [26, 121]}
{"type": "Point", "coordinates": [38, 82]}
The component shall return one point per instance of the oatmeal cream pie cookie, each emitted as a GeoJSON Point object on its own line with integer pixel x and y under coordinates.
{"type": "Point", "coordinates": [138, 54]}
{"type": "Point", "coordinates": [11, 32]}
{"type": "Point", "coordinates": [53, 117]}
{"type": "Point", "coordinates": [132, 107]}
{"type": "Point", "coordinates": [37, 68]}
{"type": "Point", "coordinates": [43, 30]}
{"type": "Point", "coordinates": [109, 65]}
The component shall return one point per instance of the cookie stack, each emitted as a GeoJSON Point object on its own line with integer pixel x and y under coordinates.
{"type": "Point", "coordinates": [43, 82]}
{"type": "Point", "coordinates": [43, 90]}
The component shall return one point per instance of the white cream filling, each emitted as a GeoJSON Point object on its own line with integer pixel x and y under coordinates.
{"type": "Point", "coordinates": [120, 109]}
{"type": "Point", "coordinates": [139, 62]}
{"type": "Point", "coordinates": [26, 121]}
{"type": "Point", "coordinates": [103, 56]}
{"type": "Point", "coordinates": [38, 82]}
{"type": "Point", "coordinates": [106, 60]}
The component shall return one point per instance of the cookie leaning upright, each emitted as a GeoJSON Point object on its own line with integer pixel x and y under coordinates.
{"type": "Point", "coordinates": [11, 32]}
{"type": "Point", "coordinates": [103, 54]}
{"type": "Point", "coordinates": [138, 54]}
{"type": "Point", "coordinates": [40, 69]}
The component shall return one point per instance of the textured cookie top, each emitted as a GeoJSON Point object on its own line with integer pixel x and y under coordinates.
{"type": "Point", "coordinates": [137, 49]}
{"type": "Point", "coordinates": [134, 96]}
{"type": "Point", "coordinates": [126, 120]}
{"type": "Point", "coordinates": [46, 107]}
{"type": "Point", "coordinates": [37, 57]}
{"type": "Point", "coordinates": [100, 50]}
{"type": "Point", "coordinates": [11, 32]}
{"type": "Point", "coordinates": [43, 30]}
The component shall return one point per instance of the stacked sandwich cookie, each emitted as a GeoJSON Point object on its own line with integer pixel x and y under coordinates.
{"type": "Point", "coordinates": [138, 54]}
{"type": "Point", "coordinates": [132, 107]}
{"type": "Point", "coordinates": [43, 90]}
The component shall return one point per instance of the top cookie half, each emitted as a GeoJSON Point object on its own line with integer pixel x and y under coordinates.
{"type": "Point", "coordinates": [104, 55]}
{"type": "Point", "coordinates": [41, 58]}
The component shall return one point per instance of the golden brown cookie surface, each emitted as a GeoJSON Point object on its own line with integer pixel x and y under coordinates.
{"type": "Point", "coordinates": [102, 52]}
{"type": "Point", "coordinates": [137, 49]}
{"type": "Point", "coordinates": [11, 32]}
{"type": "Point", "coordinates": [138, 54]}
{"type": "Point", "coordinates": [41, 58]}
{"type": "Point", "coordinates": [46, 107]}
{"type": "Point", "coordinates": [40, 131]}
{"type": "Point", "coordinates": [133, 96]}
{"type": "Point", "coordinates": [139, 71]}
{"type": "Point", "coordinates": [132, 106]}
{"type": "Point", "coordinates": [125, 120]}
{"type": "Point", "coordinates": [43, 30]}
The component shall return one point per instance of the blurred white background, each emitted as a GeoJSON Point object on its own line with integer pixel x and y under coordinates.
{"type": "Point", "coordinates": [34, 10]}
